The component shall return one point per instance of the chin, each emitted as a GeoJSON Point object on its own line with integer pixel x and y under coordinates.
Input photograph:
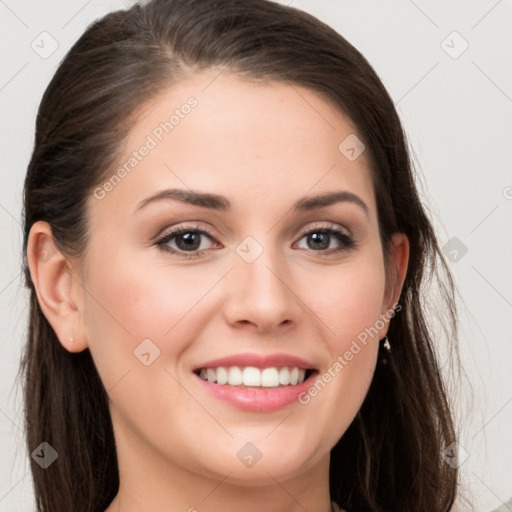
{"type": "Point", "coordinates": [263, 469]}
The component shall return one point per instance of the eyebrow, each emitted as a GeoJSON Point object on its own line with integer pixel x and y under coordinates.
{"type": "Point", "coordinates": [221, 203]}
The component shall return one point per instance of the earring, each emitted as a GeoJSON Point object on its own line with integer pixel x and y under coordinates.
{"type": "Point", "coordinates": [71, 339]}
{"type": "Point", "coordinates": [385, 350]}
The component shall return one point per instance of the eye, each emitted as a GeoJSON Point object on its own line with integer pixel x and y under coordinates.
{"type": "Point", "coordinates": [187, 240]}
{"type": "Point", "coordinates": [320, 237]}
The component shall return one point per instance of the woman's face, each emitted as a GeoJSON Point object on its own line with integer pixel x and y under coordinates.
{"type": "Point", "coordinates": [241, 280]}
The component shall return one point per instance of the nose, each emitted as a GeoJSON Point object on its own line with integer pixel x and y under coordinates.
{"type": "Point", "coordinates": [260, 294]}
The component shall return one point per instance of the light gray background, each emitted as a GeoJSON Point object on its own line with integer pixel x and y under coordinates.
{"type": "Point", "coordinates": [457, 113]}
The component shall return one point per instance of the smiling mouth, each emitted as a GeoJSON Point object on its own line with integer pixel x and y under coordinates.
{"type": "Point", "coordinates": [252, 377]}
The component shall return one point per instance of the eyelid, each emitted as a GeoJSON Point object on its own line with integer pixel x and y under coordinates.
{"type": "Point", "coordinates": [186, 227]}
{"type": "Point", "coordinates": [325, 225]}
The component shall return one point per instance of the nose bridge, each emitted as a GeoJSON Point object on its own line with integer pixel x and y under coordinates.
{"type": "Point", "coordinates": [258, 266]}
{"type": "Point", "coordinates": [259, 291]}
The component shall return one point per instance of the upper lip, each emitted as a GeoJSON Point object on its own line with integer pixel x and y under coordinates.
{"type": "Point", "coordinates": [257, 361]}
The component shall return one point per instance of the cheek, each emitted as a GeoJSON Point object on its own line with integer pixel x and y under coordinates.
{"type": "Point", "coordinates": [348, 301]}
{"type": "Point", "coordinates": [348, 298]}
{"type": "Point", "coordinates": [129, 301]}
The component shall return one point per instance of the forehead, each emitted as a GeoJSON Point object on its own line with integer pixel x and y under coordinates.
{"type": "Point", "coordinates": [220, 133]}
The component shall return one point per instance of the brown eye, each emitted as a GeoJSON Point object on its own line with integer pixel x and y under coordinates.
{"type": "Point", "coordinates": [187, 240]}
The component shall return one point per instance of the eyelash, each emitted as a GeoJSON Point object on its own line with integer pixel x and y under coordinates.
{"type": "Point", "coordinates": [347, 241]}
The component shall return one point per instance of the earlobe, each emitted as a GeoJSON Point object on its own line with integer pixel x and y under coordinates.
{"type": "Point", "coordinates": [54, 285]}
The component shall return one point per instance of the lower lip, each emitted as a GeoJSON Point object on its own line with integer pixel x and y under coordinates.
{"type": "Point", "coordinates": [257, 399]}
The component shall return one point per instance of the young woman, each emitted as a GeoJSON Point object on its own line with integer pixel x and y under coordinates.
{"type": "Point", "coordinates": [226, 255]}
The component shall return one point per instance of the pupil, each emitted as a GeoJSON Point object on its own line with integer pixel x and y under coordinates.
{"type": "Point", "coordinates": [317, 239]}
{"type": "Point", "coordinates": [188, 238]}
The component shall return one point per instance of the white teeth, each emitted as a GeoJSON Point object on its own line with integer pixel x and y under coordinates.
{"type": "Point", "coordinates": [222, 375]}
{"type": "Point", "coordinates": [235, 376]}
{"type": "Point", "coordinates": [294, 376]}
{"type": "Point", "coordinates": [269, 377]}
{"type": "Point", "coordinates": [284, 376]}
{"type": "Point", "coordinates": [211, 374]}
{"type": "Point", "coordinates": [251, 376]}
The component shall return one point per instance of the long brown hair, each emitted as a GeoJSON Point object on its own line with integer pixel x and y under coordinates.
{"type": "Point", "coordinates": [390, 457]}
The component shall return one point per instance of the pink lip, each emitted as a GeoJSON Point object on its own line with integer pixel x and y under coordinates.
{"type": "Point", "coordinates": [257, 399]}
{"type": "Point", "coordinates": [258, 361]}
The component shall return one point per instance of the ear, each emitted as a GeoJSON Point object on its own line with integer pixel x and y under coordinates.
{"type": "Point", "coordinates": [398, 263]}
{"type": "Point", "coordinates": [59, 292]}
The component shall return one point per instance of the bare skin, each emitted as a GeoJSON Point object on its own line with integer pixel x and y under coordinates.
{"type": "Point", "coordinates": [263, 147]}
